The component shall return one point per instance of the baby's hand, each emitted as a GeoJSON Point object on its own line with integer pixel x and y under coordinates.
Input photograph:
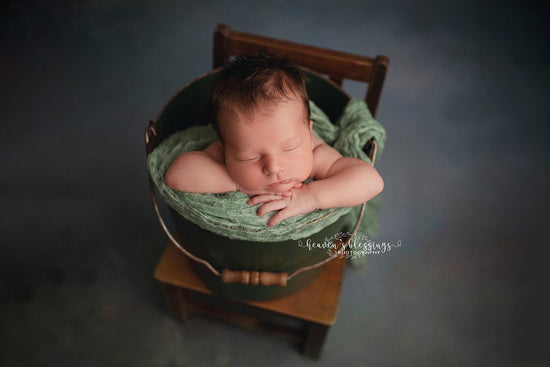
{"type": "Point", "coordinates": [265, 192]}
{"type": "Point", "coordinates": [300, 202]}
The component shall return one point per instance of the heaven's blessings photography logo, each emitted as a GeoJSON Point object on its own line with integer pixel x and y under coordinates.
{"type": "Point", "coordinates": [340, 245]}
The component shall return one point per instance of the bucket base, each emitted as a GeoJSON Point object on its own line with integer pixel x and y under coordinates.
{"type": "Point", "coordinates": [276, 257]}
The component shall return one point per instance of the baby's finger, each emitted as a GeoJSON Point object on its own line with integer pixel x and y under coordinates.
{"type": "Point", "coordinates": [278, 218]}
{"type": "Point", "coordinates": [271, 206]}
{"type": "Point", "coordinates": [297, 185]}
{"type": "Point", "coordinates": [264, 198]}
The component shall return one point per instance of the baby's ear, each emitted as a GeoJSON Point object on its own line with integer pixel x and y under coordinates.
{"type": "Point", "coordinates": [310, 125]}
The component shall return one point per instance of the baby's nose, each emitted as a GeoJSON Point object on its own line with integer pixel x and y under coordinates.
{"type": "Point", "coordinates": [272, 166]}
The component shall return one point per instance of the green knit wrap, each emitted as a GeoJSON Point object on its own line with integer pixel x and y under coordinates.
{"type": "Point", "coordinates": [229, 215]}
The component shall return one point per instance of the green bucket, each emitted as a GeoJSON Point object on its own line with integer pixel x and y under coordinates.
{"type": "Point", "coordinates": [187, 108]}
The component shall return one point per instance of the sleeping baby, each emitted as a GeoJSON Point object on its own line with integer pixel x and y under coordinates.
{"type": "Point", "coordinates": [266, 148]}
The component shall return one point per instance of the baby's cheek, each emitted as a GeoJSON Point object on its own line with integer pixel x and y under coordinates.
{"type": "Point", "coordinates": [304, 167]}
{"type": "Point", "coordinates": [247, 178]}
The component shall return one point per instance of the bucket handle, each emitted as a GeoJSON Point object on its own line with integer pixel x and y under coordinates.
{"type": "Point", "coordinates": [246, 276]}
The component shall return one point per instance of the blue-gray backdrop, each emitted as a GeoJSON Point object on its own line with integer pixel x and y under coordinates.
{"type": "Point", "coordinates": [465, 169]}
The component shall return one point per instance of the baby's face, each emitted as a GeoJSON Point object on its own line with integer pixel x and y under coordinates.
{"type": "Point", "coordinates": [269, 149]}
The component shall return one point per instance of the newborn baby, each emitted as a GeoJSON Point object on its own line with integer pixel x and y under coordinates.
{"type": "Point", "coordinates": [266, 148]}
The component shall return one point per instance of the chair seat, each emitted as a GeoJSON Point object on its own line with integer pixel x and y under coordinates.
{"type": "Point", "coordinates": [314, 307]}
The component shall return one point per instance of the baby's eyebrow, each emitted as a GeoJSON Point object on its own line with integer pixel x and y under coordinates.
{"type": "Point", "coordinates": [294, 139]}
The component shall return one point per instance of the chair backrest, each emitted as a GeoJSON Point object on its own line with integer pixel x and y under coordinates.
{"type": "Point", "coordinates": [337, 65]}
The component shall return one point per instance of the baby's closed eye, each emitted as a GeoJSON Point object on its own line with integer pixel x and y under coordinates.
{"type": "Point", "coordinates": [248, 159]}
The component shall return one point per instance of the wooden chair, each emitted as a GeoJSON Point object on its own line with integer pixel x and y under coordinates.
{"type": "Point", "coordinates": [307, 315]}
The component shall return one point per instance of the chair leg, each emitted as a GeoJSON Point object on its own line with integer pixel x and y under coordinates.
{"type": "Point", "coordinates": [176, 302]}
{"type": "Point", "coordinates": [314, 339]}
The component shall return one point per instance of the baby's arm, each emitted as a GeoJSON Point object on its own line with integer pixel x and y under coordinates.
{"type": "Point", "coordinates": [341, 182]}
{"type": "Point", "coordinates": [200, 172]}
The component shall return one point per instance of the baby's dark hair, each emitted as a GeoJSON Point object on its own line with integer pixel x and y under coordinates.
{"type": "Point", "coordinates": [249, 80]}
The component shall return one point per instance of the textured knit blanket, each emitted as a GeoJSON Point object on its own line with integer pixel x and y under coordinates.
{"type": "Point", "coordinates": [229, 215]}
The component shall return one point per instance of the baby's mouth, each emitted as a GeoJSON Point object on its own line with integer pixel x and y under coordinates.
{"type": "Point", "coordinates": [282, 182]}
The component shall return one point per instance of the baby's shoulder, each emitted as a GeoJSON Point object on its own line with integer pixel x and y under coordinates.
{"type": "Point", "coordinates": [316, 141]}
{"type": "Point", "coordinates": [215, 149]}
{"type": "Point", "coordinates": [324, 157]}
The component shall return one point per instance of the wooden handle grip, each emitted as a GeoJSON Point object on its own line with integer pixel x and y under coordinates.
{"type": "Point", "coordinates": [254, 277]}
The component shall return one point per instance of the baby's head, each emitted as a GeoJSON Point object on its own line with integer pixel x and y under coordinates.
{"type": "Point", "coordinates": [260, 110]}
{"type": "Point", "coordinates": [249, 82]}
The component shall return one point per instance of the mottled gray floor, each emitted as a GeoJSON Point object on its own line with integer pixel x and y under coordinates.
{"type": "Point", "coordinates": [465, 166]}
